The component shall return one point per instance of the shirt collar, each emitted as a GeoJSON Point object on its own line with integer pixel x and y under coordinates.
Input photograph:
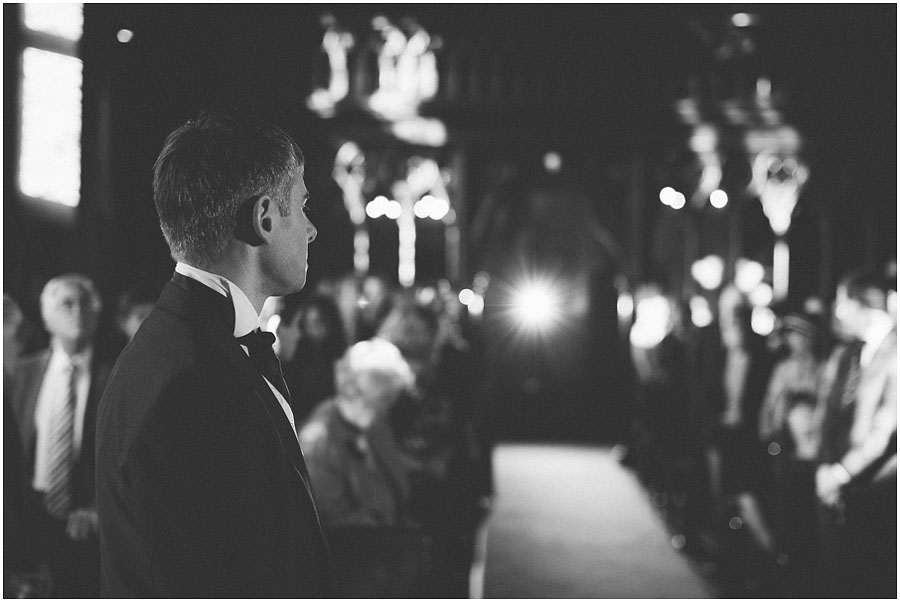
{"type": "Point", "coordinates": [874, 336]}
{"type": "Point", "coordinates": [246, 319]}
{"type": "Point", "coordinates": [59, 358]}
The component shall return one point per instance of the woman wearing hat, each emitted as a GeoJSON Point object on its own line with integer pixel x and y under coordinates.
{"type": "Point", "coordinates": [794, 375]}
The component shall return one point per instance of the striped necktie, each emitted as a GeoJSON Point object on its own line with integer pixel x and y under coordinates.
{"type": "Point", "coordinates": [57, 496]}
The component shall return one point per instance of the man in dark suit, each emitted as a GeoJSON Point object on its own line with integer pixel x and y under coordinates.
{"type": "Point", "coordinates": [56, 394]}
{"type": "Point", "coordinates": [201, 485]}
{"type": "Point", "coordinates": [857, 480]}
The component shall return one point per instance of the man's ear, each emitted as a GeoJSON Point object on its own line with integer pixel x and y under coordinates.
{"type": "Point", "coordinates": [254, 220]}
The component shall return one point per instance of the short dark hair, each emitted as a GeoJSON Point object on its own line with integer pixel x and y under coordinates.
{"type": "Point", "coordinates": [867, 287]}
{"type": "Point", "coordinates": [208, 169]}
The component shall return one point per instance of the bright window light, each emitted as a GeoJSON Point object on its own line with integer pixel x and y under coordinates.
{"type": "Point", "coordinates": [50, 154]}
{"type": "Point", "coordinates": [61, 20]}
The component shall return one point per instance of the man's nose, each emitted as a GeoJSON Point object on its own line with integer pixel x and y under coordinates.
{"type": "Point", "coordinates": [311, 233]}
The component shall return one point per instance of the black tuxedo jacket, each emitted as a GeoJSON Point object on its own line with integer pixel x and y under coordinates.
{"type": "Point", "coordinates": [201, 486]}
{"type": "Point", "coordinates": [27, 386]}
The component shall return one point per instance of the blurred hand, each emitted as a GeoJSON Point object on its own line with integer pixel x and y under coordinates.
{"type": "Point", "coordinates": [828, 485]}
{"type": "Point", "coordinates": [82, 524]}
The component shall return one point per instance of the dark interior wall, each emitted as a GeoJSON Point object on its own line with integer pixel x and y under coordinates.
{"type": "Point", "coordinates": [181, 59]}
{"type": "Point", "coordinates": [622, 64]}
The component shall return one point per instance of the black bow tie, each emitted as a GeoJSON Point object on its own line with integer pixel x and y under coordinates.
{"type": "Point", "coordinates": [259, 346]}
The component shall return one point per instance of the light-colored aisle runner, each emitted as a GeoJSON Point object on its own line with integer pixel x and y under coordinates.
{"type": "Point", "coordinates": [571, 522]}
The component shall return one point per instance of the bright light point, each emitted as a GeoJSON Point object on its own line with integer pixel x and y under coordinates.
{"type": "Point", "coordinates": [393, 210]}
{"type": "Point", "coordinates": [125, 35]}
{"type": "Point", "coordinates": [652, 322]}
{"type": "Point", "coordinates": [748, 275]}
{"type": "Point", "coordinates": [762, 321]}
{"type": "Point", "coordinates": [407, 274]}
{"type": "Point", "coordinates": [421, 209]}
{"type": "Point", "coordinates": [718, 199]}
{"type": "Point", "coordinates": [466, 295]}
{"type": "Point", "coordinates": [439, 209]}
{"type": "Point", "coordinates": [481, 281]}
{"type": "Point", "coordinates": [476, 306]}
{"type": "Point", "coordinates": [761, 295]}
{"type": "Point", "coordinates": [701, 312]}
{"type": "Point", "coordinates": [552, 162]}
{"type": "Point", "coordinates": [678, 201]}
{"type": "Point", "coordinates": [420, 130]}
{"type": "Point", "coordinates": [708, 272]}
{"type": "Point", "coordinates": [374, 209]}
{"type": "Point", "coordinates": [742, 20]}
{"type": "Point", "coordinates": [667, 195]}
{"type": "Point", "coordinates": [536, 305]}
{"type": "Point", "coordinates": [625, 306]}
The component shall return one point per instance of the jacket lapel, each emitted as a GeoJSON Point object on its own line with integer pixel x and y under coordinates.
{"type": "Point", "coordinates": [31, 378]}
{"type": "Point", "coordinates": [212, 314]}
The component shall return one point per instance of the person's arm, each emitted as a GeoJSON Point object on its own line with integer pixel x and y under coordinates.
{"type": "Point", "coordinates": [883, 426]}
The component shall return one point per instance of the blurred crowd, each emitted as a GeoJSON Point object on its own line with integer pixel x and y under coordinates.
{"type": "Point", "coordinates": [772, 456]}
{"type": "Point", "coordinates": [769, 446]}
{"type": "Point", "coordinates": [385, 390]}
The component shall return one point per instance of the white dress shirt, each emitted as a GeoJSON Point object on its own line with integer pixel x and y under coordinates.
{"type": "Point", "coordinates": [246, 320]}
{"type": "Point", "coordinates": [51, 400]}
{"type": "Point", "coordinates": [874, 336]}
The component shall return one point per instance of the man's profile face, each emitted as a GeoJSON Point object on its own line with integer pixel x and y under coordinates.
{"type": "Point", "coordinates": [70, 314]}
{"type": "Point", "coordinates": [290, 243]}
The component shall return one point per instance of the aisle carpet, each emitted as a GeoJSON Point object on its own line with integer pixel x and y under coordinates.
{"type": "Point", "coordinates": [571, 522]}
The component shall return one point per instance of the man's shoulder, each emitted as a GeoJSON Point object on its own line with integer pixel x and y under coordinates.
{"type": "Point", "coordinates": [32, 366]}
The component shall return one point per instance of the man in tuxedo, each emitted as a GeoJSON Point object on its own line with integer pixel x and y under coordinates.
{"type": "Point", "coordinates": [201, 485]}
{"type": "Point", "coordinates": [55, 397]}
{"type": "Point", "coordinates": [858, 477]}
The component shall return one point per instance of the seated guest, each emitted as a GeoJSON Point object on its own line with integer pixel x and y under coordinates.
{"type": "Point", "coordinates": [311, 339]}
{"type": "Point", "coordinates": [794, 484]}
{"type": "Point", "coordinates": [358, 474]}
{"type": "Point", "coordinates": [437, 427]}
{"type": "Point", "coordinates": [55, 400]}
{"type": "Point", "coordinates": [134, 305]}
{"type": "Point", "coordinates": [796, 374]}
